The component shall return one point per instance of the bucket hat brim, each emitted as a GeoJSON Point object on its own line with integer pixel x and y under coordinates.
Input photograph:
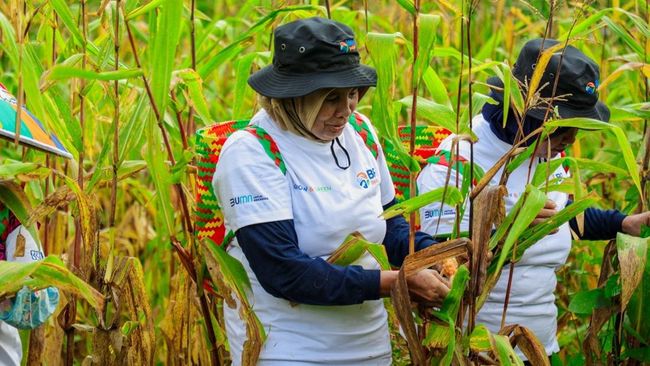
{"type": "Point", "coordinates": [272, 83]}
{"type": "Point", "coordinates": [599, 111]}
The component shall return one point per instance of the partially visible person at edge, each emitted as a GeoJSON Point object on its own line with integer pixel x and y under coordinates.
{"type": "Point", "coordinates": [333, 186]}
{"type": "Point", "coordinates": [27, 309]}
{"type": "Point", "coordinates": [532, 302]}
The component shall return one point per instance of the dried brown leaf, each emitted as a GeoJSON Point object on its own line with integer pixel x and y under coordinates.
{"type": "Point", "coordinates": [490, 208]}
{"type": "Point", "coordinates": [175, 325]}
{"type": "Point", "coordinates": [425, 258]}
{"type": "Point", "coordinates": [530, 346]}
{"type": "Point", "coordinates": [402, 304]}
{"type": "Point", "coordinates": [60, 198]}
{"type": "Point", "coordinates": [591, 343]}
{"type": "Point", "coordinates": [631, 257]}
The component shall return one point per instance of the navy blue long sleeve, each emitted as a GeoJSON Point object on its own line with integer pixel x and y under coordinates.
{"type": "Point", "coordinates": [396, 240]}
{"type": "Point", "coordinates": [286, 272]}
{"type": "Point", "coordinates": [599, 224]}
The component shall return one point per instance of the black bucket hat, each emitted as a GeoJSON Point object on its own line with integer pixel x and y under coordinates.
{"type": "Point", "coordinates": [578, 81]}
{"type": "Point", "coordinates": [312, 54]}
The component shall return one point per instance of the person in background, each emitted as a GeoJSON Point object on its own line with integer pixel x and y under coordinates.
{"type": "Point", "coordinates": [27, 309]}
{"type": "Point", "coordinates": [532, 302]}
{"type": "Point", "coordinates": [314, 312]}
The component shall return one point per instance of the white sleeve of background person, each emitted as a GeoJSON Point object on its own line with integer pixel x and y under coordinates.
{"type": "Point", "coordinates": [251, 189]}
{"type": "Point", "coordinates": [11, 351]}
{"type": "Point", "coordinates": [10, 346]}
{"type": "Point", "coordinates": [433, 219]}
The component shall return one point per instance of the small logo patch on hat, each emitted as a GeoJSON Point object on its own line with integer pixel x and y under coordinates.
{"type": "Point", "coordinates": [591, 87]}
{"type": "Point", "coordinates": [347, 45]}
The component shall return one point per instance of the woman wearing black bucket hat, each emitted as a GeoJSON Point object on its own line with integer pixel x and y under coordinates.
{"type": "Point", "coordinates": [532, 302]}
{"type": "Point", "coordinates": [287, 223]}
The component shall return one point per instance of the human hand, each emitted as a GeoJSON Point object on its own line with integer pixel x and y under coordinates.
{"type": "Point", "coordinates": [546, 212]}
{"type": "Point", "coordinates": [428, 287]}
{"type": "Point", "coordinates": [632, 224]}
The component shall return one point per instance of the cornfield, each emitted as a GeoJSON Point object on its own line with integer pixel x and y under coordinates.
{"type": "Point", "coordinates": [126, 84]}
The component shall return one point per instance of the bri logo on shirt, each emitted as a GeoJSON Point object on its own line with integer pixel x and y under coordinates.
{"type": "Point", "coordinates": [367, 178]}
{"type": "Point", "coordinates": [248, 198]}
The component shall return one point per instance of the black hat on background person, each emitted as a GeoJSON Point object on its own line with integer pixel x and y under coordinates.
{"type": "Point", "coordinates": [577, 83]}
{"type": "Point", "coordinates": [312, 54]}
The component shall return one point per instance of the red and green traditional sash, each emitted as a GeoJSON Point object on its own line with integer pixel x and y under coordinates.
{"type": "Point", "coordinates": [209, 142]}
{"type": "Point", "coordinates": [427, 140]}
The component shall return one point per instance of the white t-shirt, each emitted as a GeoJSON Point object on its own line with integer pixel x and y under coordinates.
{"type": "Point", "coordinates": [327, 203]}
{"type": "Point", "coordinates": [532, 302]}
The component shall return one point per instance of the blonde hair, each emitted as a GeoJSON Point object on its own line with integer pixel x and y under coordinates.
{"type": "Point", "coordinates": [296, 115]}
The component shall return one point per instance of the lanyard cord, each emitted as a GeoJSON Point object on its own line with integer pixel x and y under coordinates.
{"type": "Point", "coordinates": [347, 155]}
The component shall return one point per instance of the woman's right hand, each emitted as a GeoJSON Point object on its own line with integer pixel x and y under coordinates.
{"type": "Point", "coordinates": [428, 287]}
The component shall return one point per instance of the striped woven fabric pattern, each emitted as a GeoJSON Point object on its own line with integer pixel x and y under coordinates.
{"type": "Point", "coordinates": [427, 140]}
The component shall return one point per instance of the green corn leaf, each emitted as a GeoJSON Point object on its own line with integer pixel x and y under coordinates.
{"type": "Point", "coordinates": [353, 247]}
{"type": "Point", "coordinates": [67, 127]}
{"type": "Point", "coordinates": [437, 114]}
{"type": "Point", "coordinates": [640, 110]}
{"type": "Point", "coordinates": [596, 166]}
{"type": "Point", "coordinates": [623, 142]}
{"type": "Point", "coordinates": [451, 303]}
{"type": "Point", "coordinates": [505, 353]}
{"type": "Point", "coordinates": [10, 169]}
{"type": "Point", "coordinates": [165, 40]}
{"type": "Point", "coordinates": [102, 160]}
{"type": "Point", "coordinates": [63, 12]}
{"type": "Point", "coordinates": [153, 4]}
{"type": "Point", "coordinates": [479, 340]}
{"type": "Point", "coordinates": [452, 198]}
{"type": "Point", "coordinates": [243, 69]}
{"type": "Point", "coordinates": [436, 87]}
{"type": "Point", "coordinates": [623, 34]}
{"type": "Point", "coordinates": [378, 252]}
{"type": "Point", "coordinates": [478, 100]}
{"type": "Point", "coordinates": [586, 302]}
{"type": "Point", "coordinates": [407, 5]}
{"type": "Point", "coordinates": [586, 26]}
{"type": "Point", "coordinates": [439, 335]}
{"type": "Point", "coordinates": [50, 271]}
{"type": "Point", "coordinates": [131, 132]}
{"type": "Point", "coordinates": [534, 234]}
{"type": "Point", "coordinates": [533, 201]}
{"type": "Point", "coordinates": [428, 25]}
{"type": "Point", "coordinates": [383, 52]}
{"type": "Point", "coordinates": [195, 88]}
{"type": "Point", "coordinates": [350, 251]}
{"type": "Point", "coordinates": [232, 270]}
{"type": "Point", "coordinates": [639, 23]}
{"type": "Point", "coordinates": [154, 156]}
{"type": "Point", "coordinates": [236, 47]}
{"type": "Point", "coordinates": [67, 72]}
